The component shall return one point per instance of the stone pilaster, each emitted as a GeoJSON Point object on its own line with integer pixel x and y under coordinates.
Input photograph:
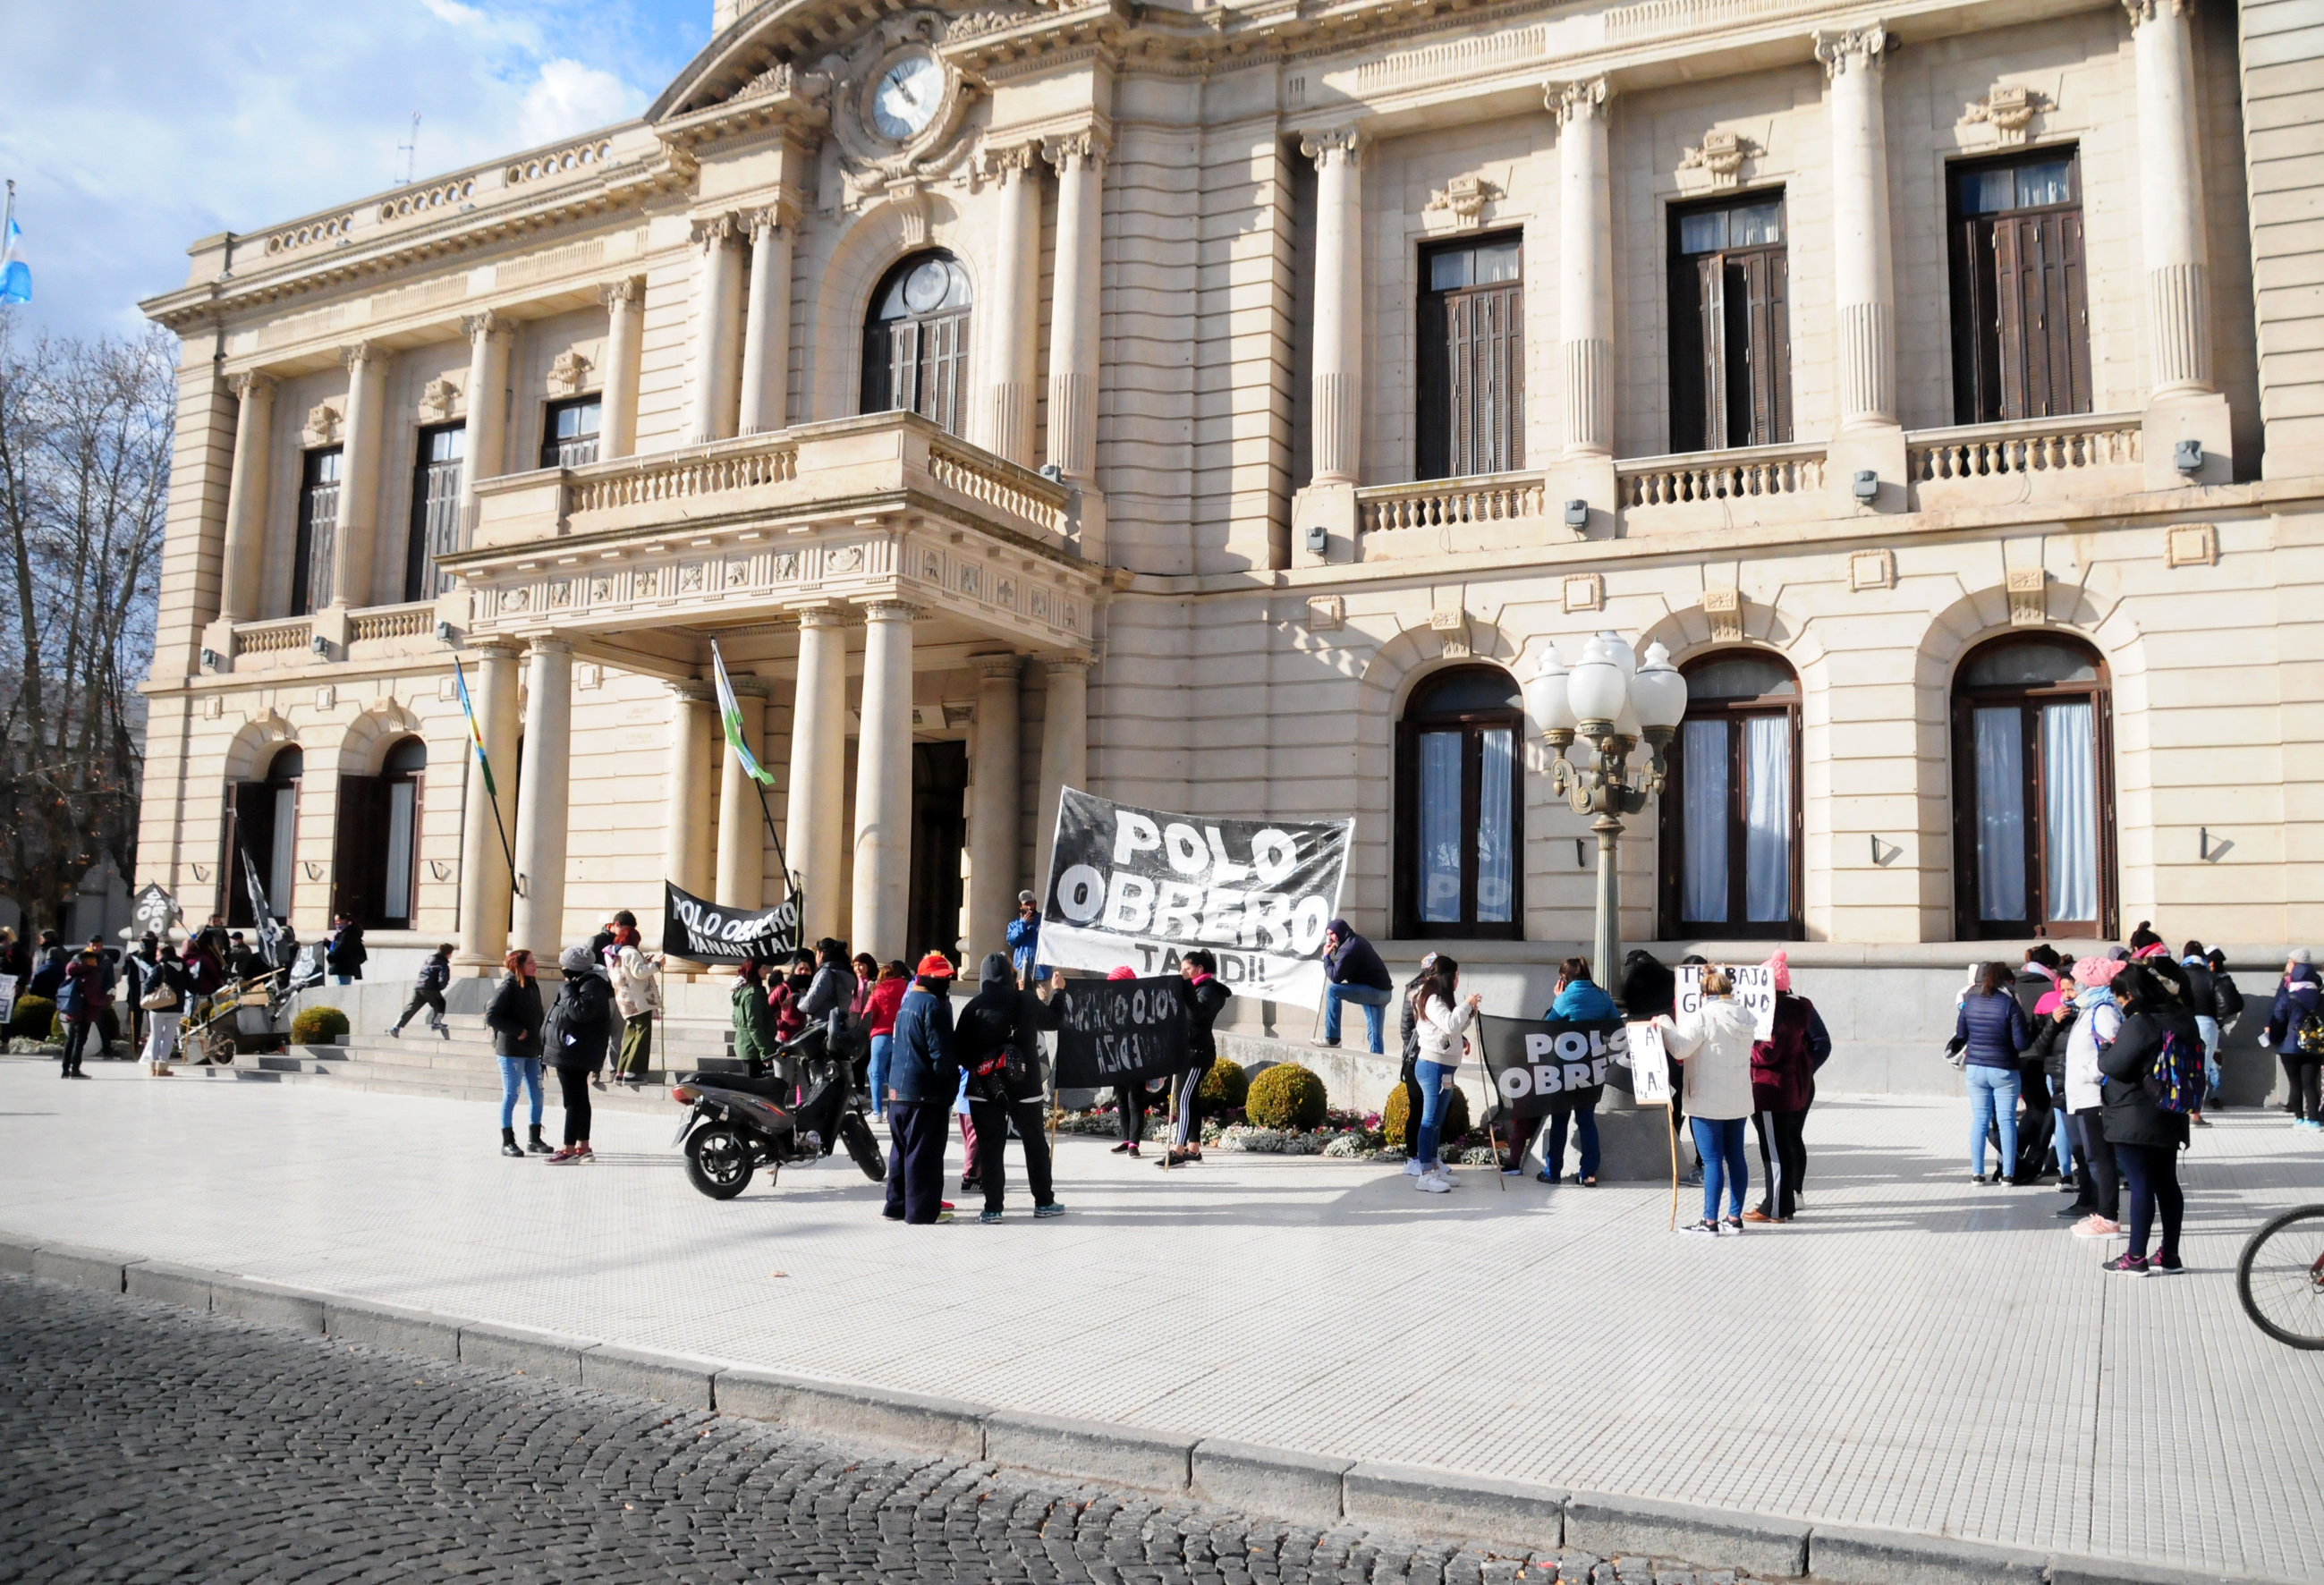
{"type": "Point", "coordinates": [1064, 752]}
{"type": "Point", "coordinates": [351, 543]}
{"type": "Point", "coordinates": [717, 294]}
{"type": "Point", "coordinates": [1864, 271]}
{"type": "Point", "coordinates": [994, 796]}
{"type": "Point", "coordinates": [1080, 159]}
{"type": "Point", "coordinates": [487, 819]}
{"type": "Point", "coordinates": [625, 321]}
{"type": "Point", "coordinates": [1336, 387]}
{"type": "Point", "coordinates": [1583, 469]}
{"type": "Point", "coordinates": [544, 799]}
{"type": "Point", "coordinates": [813, 824]}
{"type": "Point", "coordinates": [483, 445]}
{"type": "Point", "coordinates": [1006, 417]}
{"type": "Point", "coordinates": [883, 786]}
{"type": "Point", "coordinates": [240, 572]}
{"type": "Point", "coordinates": [767, 325]}
{"type": "Point", "coordinates": [693, 726]}
{"type": "Point", "coordinates": [741, 842]}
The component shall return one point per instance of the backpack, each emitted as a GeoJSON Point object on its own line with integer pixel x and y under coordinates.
{"type": "Point", "coordinates": [2308, 1034]}
{"type": "Point", "coordinates": [2229, 1001]}
{"type": "Point", "coordinates": [72, 996]}
{"type": "Point", "coordinates": [2174, 1079]}
{"type": "Point", "coordinates": [553, 1031]}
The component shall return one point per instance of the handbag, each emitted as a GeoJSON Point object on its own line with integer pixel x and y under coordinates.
{"type": "Point", "coordinates": [1957, 1052]}
{"type": "Point", "coordinates": [161, 999]}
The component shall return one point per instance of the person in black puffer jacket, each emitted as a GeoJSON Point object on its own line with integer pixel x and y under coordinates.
{"type": "Point", "coordinates": [992, 1040]}
{"type": "Point", "coordinates": [574, 1038]}
{"type": "Point", "coordinates": [2146, 1140]}
{"type": "Point", "coordinates": [1205, 994]}
{"type": "Point", "coordinates": [1650, 992]}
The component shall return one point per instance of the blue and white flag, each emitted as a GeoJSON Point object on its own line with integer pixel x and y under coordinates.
{"type": "Point", "coordinates": [15, 275]}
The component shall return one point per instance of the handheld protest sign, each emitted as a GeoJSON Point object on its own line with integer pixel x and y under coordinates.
{"type": "Point", "coordinates": [1650, 1086]}
{"type": "Point", "coordinates": [1755, 988]}
{"type": "Point", "coordinates": [1116, 1032]}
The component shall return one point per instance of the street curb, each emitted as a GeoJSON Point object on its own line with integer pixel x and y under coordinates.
{"type": "Point", "coordinates": [1276, 1481]}
{"type": "Point", "coordinates": [1613, 1526]}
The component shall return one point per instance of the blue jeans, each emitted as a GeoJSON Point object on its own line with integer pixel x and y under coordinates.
{"type": "Point", "coordinates": [879, 1045]}
{"type": "Point", "coordinates": [1993, 1099]}
{"type": "Point", "coordinates": [515, 1071]}
{"type": "Point", "coordinates": [1371, 998]}
{"type": "Point", "coordinates": [1585, 1137]}
{"type": "Point", "coordinates": [1720, 1142]}
{"type": "Point", "coordinates": [2210, 1031]}
{"type": "Point", "coordinates": [1436, 1096]}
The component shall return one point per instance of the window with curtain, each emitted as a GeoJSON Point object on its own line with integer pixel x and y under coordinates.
{"type": "Point", "coordinates": [1730, 325]}
{"type": "Point", "coordinates": [1458, 806]}
{"type": "Point", "coordinates": [319, 524]}
{"type": "Point", "coordinates": [1730, 817]}
{"type": "Point", "coordinates": [569, 431]}
{"type": "Point", "coordinates": [435, 508]}
{"type": "Point", "coordinates": [916, 341]}
{"type": "Point", "coordinates": [263, 821]}
{"type": "Point", "coordinates": [2033, 811]}
{"type": "Point", "coordinates": [1471, 359]}
{"type": "Point", "coordinates": [377, 842]}
{"type": "Point", "coordinates": [2021, 316]}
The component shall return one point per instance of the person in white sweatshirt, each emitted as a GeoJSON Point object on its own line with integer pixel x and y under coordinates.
{"type": "Point", "coordinates": [1441, 1019]}
{"type": "Point", "coordinates": [1714, 1043]}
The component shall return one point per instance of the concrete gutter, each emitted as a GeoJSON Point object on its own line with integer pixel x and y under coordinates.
{"type": "Point", "coordinates": [1278, 1482]}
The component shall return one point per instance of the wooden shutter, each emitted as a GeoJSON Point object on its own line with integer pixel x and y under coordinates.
{"type": "Point", "coordinates": [2009, 291]}
{"type": "Point", "coordinates": [1711, 300]}
{"type": "Point", "coordinates": [1498, 371]}
{"type": "Point", "coordinates": [1432, 448]}
{"type": "Point", "coordinates": [1767, 348]}
{"type": "Point", "coordinates": [1461, 388]}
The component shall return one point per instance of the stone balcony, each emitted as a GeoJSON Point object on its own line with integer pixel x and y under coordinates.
{"type": "Point", "coordinates": [883, 507]}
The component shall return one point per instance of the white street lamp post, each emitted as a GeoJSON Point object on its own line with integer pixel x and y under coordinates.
{"type": "Point", "coordinates": [1609, 701]}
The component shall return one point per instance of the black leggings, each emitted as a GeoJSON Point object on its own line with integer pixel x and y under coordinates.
{"type": "Point", "coordinates": [2105, 1191]}
{"type": "Point", "coordinates": [993, 1119]}
{"type": "Point", "coordinates": [2154, 1174]}
{"type": "Point", "coordinates": [1129, 1100]}
{"type": "Point", "coordinates": [1414, 1106]}
{"type": "Point", "coordinates": [1784, 1157]}
{"type": "Point", "coordinates": [572, 1083]}
{"type": "Point", "coordinates": [76, 1043]}
{"type": "Point", "coordinates": [2305, 1077]}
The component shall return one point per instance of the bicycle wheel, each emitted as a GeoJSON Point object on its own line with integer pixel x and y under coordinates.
{"type": "Point", "coordinates": [2280, 1278]}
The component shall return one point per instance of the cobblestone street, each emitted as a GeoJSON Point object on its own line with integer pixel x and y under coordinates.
{"type": "Point", "coordinates": [141, 1442]}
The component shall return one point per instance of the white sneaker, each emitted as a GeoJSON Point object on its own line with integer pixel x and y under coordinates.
{"type": "Point", "coordinates": [1442, 1174]}
{"type": "Point", "coordinates": [1412, 1169]}
{"type": "Point", "coordinates": [1430, 1184]}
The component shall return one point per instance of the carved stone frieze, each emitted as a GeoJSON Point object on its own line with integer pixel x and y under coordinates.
{"type": "Point", "coordinates": [568, 375]}
{"type": "Point", "coordinates": [1720, 156]}
{"type": "Point", "coordinates": [2009, 109]}
{"type": "Point", "coordinates": [323, 426]}
{"type": "Point", "coordinates": [440, 400]}
{"type": "Point", "coordinates": [1464, 199]}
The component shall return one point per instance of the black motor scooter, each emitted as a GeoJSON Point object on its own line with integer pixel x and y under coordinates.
{"type": "Point", "coordinates": [736, 1124]}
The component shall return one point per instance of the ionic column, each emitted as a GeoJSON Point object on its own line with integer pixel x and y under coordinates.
{"type": "Point", "coordinates": [767, 324]}
{"type": "Point", "coordinates": [813, 824]}
{"type": "Point", "coordinates": [1013, 326]}
{"type": "Point", "coordinates": [482, 444]}
{"type": "Point", "coordinates": [625, 328]}
{"type": "Point", "coordinates": [486, 825]}
{"type": "Point", "coordinates": [742, 847]}
{"type": "Point", "coordinates": [358, 474]}
{"type": "Point", "coordinates": [1337, 421]}
{"type": "Point", "coordinates": [692, 726]}
{"type": "Point", "coordinates": [544, 797]}
{"type": "Point", "coordinates": [717, 303]}
{"type": "Point", "coordinates": [992, 806]}
{"type": "Point", "coordinates": [1585, 292]}
{"type": "Point", "coordinates": [2171, 198]}
{"type": "Point", "coordinates": [239, 574]}
{"type": "Point", "coordinates": [883, 785]}
{"type": "Point", "coordinates": [1064, 752]}
{"type": "Point", "coordinates": [1864, 293]}
{"type": "Point", "coordinates": [1080, 159]}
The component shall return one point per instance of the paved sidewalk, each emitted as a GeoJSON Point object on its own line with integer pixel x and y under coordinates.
{"type": "Point", "coordinates": [1917, 1352]}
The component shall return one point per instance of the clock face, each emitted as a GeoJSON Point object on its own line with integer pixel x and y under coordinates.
{"type": "Point", "coordinates": [907, 97]}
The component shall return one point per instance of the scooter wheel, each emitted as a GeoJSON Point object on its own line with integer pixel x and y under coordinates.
{"type": "Point", "coordinates": [856, 1134]}
{"type": "Point", "coordinates": [719, 1161]}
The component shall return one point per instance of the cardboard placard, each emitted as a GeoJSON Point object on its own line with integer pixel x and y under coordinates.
{"type": "Point", "coordinates": [1649, 1065]}
{"type": "Point", "coordinates": [1755, 988]}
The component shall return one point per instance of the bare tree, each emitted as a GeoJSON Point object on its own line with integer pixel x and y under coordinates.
{"type": "Point", "coordinates": [85, 435]}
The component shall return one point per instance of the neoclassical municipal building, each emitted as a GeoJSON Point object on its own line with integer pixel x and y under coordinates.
{"type": "Point", "coordinates": [1223, 406]}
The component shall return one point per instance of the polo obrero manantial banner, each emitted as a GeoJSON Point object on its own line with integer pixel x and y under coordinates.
{"type": "Point", "coordinates": [1139, 887]}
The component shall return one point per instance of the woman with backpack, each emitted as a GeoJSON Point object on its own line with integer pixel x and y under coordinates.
{"type": "Point", "coordinates": [79, 999]}
{"type": "Point", "coordinates": [572, 1040]}
{"type": "Point", "coordinates": [2295, 1028]}
{"type": "Point", "coordinates": [2154, 1079]}
{"type": "Point", "coordinates": [514, 1018]}
{"type": "Point", "coordinates": [1441, 1022]}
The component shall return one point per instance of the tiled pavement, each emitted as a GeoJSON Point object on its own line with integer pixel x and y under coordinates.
{"type": "Point", "coordinates": [1916, 1352]}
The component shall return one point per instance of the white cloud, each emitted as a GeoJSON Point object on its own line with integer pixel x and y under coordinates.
{"type": "Point", "coordinates": [136, 127]}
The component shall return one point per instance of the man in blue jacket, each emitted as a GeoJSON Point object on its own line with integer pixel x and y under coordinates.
{"type": "Point", "coordinates": [1356, 974]}
{"type": "Point", "coordinates": [923, 1078]}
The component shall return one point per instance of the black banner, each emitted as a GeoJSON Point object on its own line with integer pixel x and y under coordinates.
{"type": "Point", "coordinates": [1120, 1031]}
{"type": "Point", "coordinates": [1541, 1066]}
{"type": "Point", "coordinates": [706, 932]}
{"type": "Point", "coordinates": [1135, 887]}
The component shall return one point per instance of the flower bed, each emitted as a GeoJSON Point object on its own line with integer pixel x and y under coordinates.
{"type": "Point", "coordinates": [1343, 1136]}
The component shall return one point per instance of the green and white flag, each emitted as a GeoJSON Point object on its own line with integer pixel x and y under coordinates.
{"type": "Point", "coordinates": [730, 712]}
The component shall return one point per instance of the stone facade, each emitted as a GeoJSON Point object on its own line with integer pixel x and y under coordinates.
{"type": "Point", "coordinates": [1166, 532]}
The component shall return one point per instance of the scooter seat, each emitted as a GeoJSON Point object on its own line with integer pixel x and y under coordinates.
{"type": "Point", "coordinates": [768, 1087]}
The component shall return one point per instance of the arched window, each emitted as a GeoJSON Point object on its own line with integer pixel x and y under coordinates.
{"type": "Point", "coordinates": [1730, 815]}
{"type": "Point", "coordinates": [2032, 790]}
{"type": "Point", "coordinates": [377, 844]}
{"type": "Point", "coordinates": [916, 340]}
{"type": "Point", "coordinates": [263, 827]}
{"type": "Point", "coordinates": [1460, 821]}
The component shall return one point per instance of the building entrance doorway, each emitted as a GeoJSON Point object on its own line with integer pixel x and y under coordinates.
{"type": "Point", "coordinates": [939, 834]}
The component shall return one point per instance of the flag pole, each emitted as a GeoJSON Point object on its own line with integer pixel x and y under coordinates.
{"type": "Point", "coordinates": [492, 794]}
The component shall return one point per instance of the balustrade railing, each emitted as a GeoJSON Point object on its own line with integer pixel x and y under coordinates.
{"type": "Point", "coordinates": [273, 638]}
{"type": "Point", "coordinates": [990, 481]}
{"type": "Point", "coordinates": [1983, 451]}
{"type": "Point", "coordinates": [1434, 503]}
{"type": "Point", "coordinates": [684, 476]}
{"type": "Point", "coordinates": [1691, 477]}
{"type": "Point", "coordinates": [393, 621]}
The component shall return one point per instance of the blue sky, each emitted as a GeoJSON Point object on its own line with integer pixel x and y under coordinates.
{"type": "Point", "coordinates": [132, 127]}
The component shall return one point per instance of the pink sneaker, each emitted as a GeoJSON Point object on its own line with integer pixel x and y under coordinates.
{"type": "Point", "coordinates": [2094, 1226]}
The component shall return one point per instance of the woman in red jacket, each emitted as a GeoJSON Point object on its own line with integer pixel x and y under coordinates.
{"type": "Point", "coordinates": [1782, 1087]}
{"type": "Point", "coordinates": [881, 998]}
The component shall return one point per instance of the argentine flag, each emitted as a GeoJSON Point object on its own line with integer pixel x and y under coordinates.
{"type": "Point", "coordinates": [15, 275]}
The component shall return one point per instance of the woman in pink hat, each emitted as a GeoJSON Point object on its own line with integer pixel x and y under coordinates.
{"type": "Point", "coordinates": [1782, 1087]}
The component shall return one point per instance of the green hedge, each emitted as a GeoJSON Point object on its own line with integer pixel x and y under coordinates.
{"type": "Point", "coordinates": [318, 1026]}
{"type": "Point", "coordinates": [34, 1017]}
{"type": "Point", "coordinates": [1224, 1087]}
{"type": "Point", "coordinates": [1285, 1096]}
{"type": "Point", "coordinates": [1393, 1120]}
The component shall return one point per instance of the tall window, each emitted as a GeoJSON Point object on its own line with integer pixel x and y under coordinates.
{"type": "Point", "coordinates": [318, 521]}
{"type": "Point", "coordinates": [1730, 815]}
{"type": "Point", "coordinates": [2033, 791]}
{"type": "Point", "coordinates": [1471, 359]}
{"type": "Point", "coordinates": [1460, 821]}
{"type": "Point", "coordinates": [916, 341]}
{"type": "Point", "coordinates": [2021, 314]}
{"type": "Point", "coordinates": [1730, 325]}
{"type": "Point", "coordinates": [435, 509]}
{"type": "Point", "coordinates": [263, 822]}
{"type": "Point", "coordinates": [568, 432]}
{"type": "Point", "coordinates": [376, 846]}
